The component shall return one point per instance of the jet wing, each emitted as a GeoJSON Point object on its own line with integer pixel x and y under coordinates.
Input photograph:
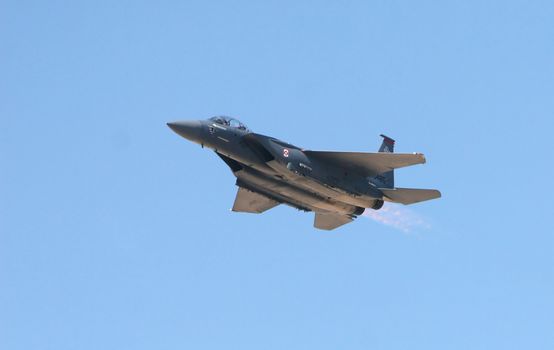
{"type": "Point", "coordinates": [252, 202]}
{"type": "Point", "coordinates": [409, 195]}
{"type": "Point", "coordinates": [368, 164]}
{"type": "Point", "coordinates": [330, 221]}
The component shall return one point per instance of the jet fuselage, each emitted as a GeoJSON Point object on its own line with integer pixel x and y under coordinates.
{"type": "Point", "coordinates": [282, 171]}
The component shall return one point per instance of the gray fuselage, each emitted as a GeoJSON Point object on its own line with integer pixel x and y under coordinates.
{"type": "Point", "coordinates": [281, 171]}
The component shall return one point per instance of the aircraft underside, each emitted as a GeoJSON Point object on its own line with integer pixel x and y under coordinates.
{"type": "Point", "coordinates": [259, 192]}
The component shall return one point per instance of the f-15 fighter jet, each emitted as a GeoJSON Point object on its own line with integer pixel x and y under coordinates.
{"type": "Point", "coordinates": [336, 186]}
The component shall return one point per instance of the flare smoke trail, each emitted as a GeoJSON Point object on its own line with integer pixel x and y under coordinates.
{"type": "Point", "coordinates": [397, 216]}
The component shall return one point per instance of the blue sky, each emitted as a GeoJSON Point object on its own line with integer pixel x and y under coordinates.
{"type": "Point", "coordinates": [116, 234]}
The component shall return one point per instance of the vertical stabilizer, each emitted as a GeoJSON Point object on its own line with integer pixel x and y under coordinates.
{"type": "Point", "coordinates": [388, 144]}
{"type": "Point", "coordinates": [385, 180]}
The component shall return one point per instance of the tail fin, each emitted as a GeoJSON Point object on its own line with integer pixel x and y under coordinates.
{"type": "Point", "coordinates": [385, 180]}
{"type": "Point", "coordinates": [388, 144]}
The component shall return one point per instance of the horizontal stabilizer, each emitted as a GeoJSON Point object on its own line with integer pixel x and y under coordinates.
{"type": "Point", "coordinates": [409, 195]}
{"type": "Point", "coordinates": [330, 221]}
{"type": "Point", "coordinates": [252, 202]}
{"type": "Point", "coordinates": [367, 164]}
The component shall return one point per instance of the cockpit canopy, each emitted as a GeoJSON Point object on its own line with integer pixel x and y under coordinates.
{"type": "Point", "coordinates": [227, 121]}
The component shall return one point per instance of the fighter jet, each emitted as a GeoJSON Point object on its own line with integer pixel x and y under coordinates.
{"type": "Point", "coordinates": [336, 186]}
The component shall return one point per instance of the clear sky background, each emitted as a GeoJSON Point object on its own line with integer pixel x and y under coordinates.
{"type": "Point", "coordinates": [115, 233]}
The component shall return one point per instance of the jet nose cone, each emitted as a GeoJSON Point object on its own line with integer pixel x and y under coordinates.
{"type": "Point", "coordinates": [189, 129]}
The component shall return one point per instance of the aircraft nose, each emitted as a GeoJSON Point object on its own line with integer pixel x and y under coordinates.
{"type": "Point", "coordinates": [189, 129]}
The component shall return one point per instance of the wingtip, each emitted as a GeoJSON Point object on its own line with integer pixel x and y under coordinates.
{"type": "Point", "coordinates": [422, 157]}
